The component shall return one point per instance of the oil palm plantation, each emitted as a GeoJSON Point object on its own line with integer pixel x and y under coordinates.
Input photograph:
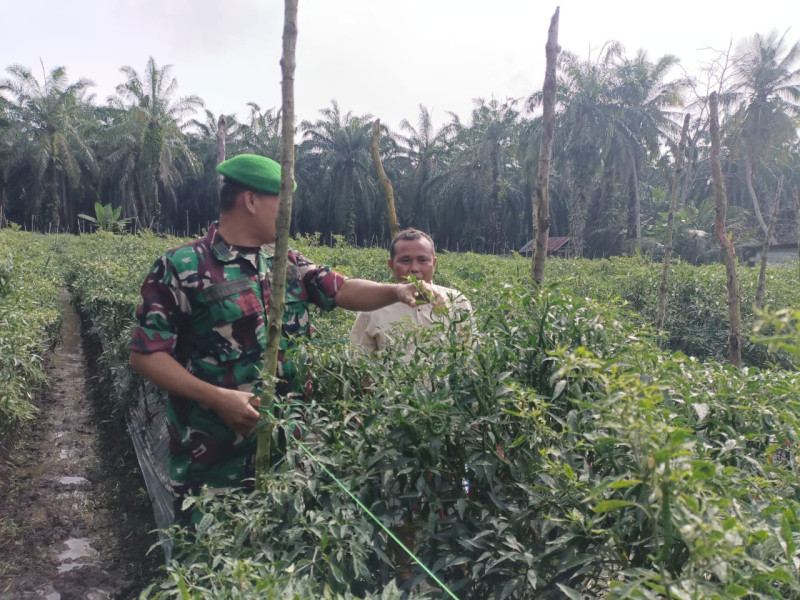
{"type": "Point", "coordinates": [153, 152]}
{"type": "Point", "coordinates": [199, 192]}
{"type": "Point", "coordinates": [584, 125]}
{"type": "Point", "coordinates": [425, 149]}
{"type": "Point", "coordinates": [766, 72]}
{"type": "Point", "coordinates": [614, 118]}
{"type": "Point", "coordinates": [335, 167]}
{"type": "Point", "coordinates": [47, 154]}
{"type": "Point", "coordinates": [261, 133]}
{"type": "Point", "coordinates": [480, 194]}
{"type": "Point", "coordinates": [643, 123]}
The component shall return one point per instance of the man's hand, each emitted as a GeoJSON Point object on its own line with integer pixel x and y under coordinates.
{"type": "Point", "coordinates": [418, 292]}
{"type": "Point", "coordinates": [236, 409]}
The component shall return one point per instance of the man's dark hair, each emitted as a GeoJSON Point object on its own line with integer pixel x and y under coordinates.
{"type": "Point", "coordinates": [228, 193]}
{"type": "Point", "coordinates": [407, 235]}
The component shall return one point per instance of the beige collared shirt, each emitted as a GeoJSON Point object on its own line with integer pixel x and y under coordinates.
{"type": "Point", "coordinates": [373, 330]}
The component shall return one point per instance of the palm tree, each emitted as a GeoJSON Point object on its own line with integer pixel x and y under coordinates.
{"type": "Point", "coordinates": [154, 144]}
{"type": "Point", "coordinates": [614, 116]}
{"type": "Point", "coordinates": [45, 127]}
{"type": "Point", "coordinates": [766, 74]}
{"type": "Point", "coordinates": [583, 127]}
{"type": "Point", "coordinates": [642, 121]}
{"type": "Point", "coordinates": [426, 151]}
{"type": "Point", "coordinates": [200, 192]}
{"type": "Point", "coordinates": [261, 134]}
{"type": "Point", "coordinates": [480, 194]}
{"type": "Point", "coordinates": [336, 151]}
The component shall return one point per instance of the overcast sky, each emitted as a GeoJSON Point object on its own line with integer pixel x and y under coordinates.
{"type": "Point", "coordinates": [382, 57]}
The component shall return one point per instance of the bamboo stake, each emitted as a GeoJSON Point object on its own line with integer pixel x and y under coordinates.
{"type": "Point", "coordinates": [278, 282]}
{"type": "Point", "coordinates": [541, 200]}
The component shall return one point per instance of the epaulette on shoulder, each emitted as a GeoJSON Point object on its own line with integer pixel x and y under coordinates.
{"type": "Point", "coordinates": [221, 249]}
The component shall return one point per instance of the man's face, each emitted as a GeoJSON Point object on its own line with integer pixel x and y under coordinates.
{"type": "Point", "coordinates": [413, 257]}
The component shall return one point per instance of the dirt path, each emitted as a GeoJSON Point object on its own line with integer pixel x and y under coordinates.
{"type": "Point", "coordinates": [74, 518]}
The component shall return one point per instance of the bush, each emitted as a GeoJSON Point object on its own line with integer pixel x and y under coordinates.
{"type": "Point", "coordinates": [29, 322]}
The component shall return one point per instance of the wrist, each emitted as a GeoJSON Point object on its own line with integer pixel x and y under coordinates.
{"type": "Point", "coordinates": [210, 398]}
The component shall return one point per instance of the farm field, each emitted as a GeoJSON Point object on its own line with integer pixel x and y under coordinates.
{"type": "Point", "coordinates": [555, 453]}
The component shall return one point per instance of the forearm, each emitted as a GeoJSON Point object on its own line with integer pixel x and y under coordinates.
{"type": "Point", "coordinates": [363, 294]}
{"type": "Point", "coordinates": [167, 373]}
{"type": "Point", "coordinates": [235, 408]}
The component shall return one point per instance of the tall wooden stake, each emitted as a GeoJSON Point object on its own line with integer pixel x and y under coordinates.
{"type": "Point", "coordinates": [721, 200]}
{"type": "Point", "coordinates": [541, 200]}
{"type": "Point", "coordinates": [673, 203]}
{"type": "Point", "coordinates": [386, 183]}
{"type": "Point", "coordinates": [278, 282]}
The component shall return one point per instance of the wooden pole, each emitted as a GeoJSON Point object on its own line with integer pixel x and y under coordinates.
{"type": "Point", "coordinates": [278, 282]}
{"type": "Point", "coordinates": [541, 200]}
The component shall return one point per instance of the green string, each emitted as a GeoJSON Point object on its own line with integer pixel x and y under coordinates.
{"type": "Point", "coordinates": [366, 510]}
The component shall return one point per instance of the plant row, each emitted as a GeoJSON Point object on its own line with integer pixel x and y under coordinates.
{"type": "Point", "coordinates": [29, 322]}
{"type": "Point", "coordinates": [552, 450]}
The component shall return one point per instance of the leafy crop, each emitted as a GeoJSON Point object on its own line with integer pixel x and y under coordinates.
{"type": "Point", "coordinates": [29, 322]}
{"type": "Point", "coordinates": [553, 452]}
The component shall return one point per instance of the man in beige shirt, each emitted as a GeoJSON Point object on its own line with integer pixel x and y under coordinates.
{"type": "Point", "coordinates": [410, 253]}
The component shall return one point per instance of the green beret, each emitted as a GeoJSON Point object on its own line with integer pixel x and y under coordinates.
{"type": "Point", "coordinates": [260, 173]}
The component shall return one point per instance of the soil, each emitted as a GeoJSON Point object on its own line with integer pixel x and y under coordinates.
{"type": "Point", "coordinates": [75, 519]}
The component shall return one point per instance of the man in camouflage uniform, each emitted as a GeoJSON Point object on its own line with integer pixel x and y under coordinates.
{"type": "Point", "coordinates": [202, 327]}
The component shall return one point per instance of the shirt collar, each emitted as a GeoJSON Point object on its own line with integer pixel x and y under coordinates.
{"type": "Point", "coordinates": [226, 252]}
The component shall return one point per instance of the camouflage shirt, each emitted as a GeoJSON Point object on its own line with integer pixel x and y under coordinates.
{"type": "Point", "coordinates": [206, 304]}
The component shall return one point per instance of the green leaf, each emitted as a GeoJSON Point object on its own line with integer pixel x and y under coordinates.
{"type": "Point", "coordinates": [624, 483]}
{"type": "Point", "coordinates": [559, 388]}
{"type": "Point", "coordinates": [570, 593]}
{"type": "Point", "coordinates": [609, 505]}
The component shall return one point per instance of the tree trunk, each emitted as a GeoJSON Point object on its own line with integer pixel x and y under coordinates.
{"type": "Point", "coordinates": [673, 203]}
{"type": "Point", "coordinates": [635, 207]}
{"type": "Point", "coordinates": [222, 125]}
{"type": "Point", "coordinates": [762, 273]}
{"type": "Point", "coordinates": [541, 202]}
{"type": "Point", "coordinates": [283, 221]}
{"type": "Point", "coordinates": [385, 182]}
{"type": "Point", "coordinates": [66, 209]}
{"type": "Point", "coordinates": [721, 202]}
{"type": "Point", "coordinates": [751, 190]}
{"type": "Point", "coordinates": [496, 202]}
{"type": "Point", "coordinates": [54, 204]}
{"type": "Point", "coordinates": [577, 222]}
{"type": "Point", "coordinates": [3, 201]}
{"type": "Point", "coordinates": [689, 174]}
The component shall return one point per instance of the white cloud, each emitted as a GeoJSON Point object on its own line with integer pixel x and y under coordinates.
{"type": "Point", "coordinates": [383, 57]}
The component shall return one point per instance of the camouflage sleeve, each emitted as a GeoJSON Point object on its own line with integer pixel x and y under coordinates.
{"type": "Point", "coordinates": [321, 283]}
{"type": "Point", "coordinates": [159, 314]}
